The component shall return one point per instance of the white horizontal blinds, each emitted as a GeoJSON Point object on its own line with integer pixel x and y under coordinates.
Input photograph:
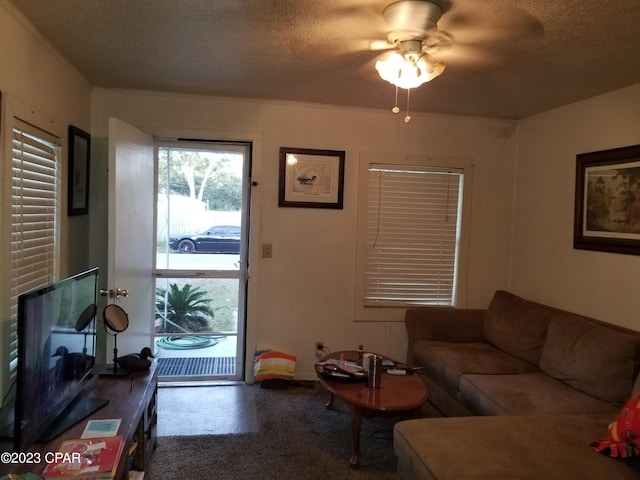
{"type": "Point", "coordinates": [34, 199]}
{"type": "Point", "coordinates": [412, 231]}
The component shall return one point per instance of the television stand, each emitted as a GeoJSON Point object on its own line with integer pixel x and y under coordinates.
{"type": "Point", "coordinates": [79, 408]}
{"type": "Point", "coordinates": [132, 399]}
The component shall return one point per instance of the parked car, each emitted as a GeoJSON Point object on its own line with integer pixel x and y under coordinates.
{"type": "Point", "coordinates": [217, 239]}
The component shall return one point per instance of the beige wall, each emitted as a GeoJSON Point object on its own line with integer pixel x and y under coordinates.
{"type": "Point", "coordinates": [545, 265]}
{"type": "Point", "coordinates": [44, 90]}
{"type": "Point", "coordinates": [305, 292]}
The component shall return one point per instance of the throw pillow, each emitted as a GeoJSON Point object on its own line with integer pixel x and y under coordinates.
{"type": "Point", "coordinates": [270, 364]}
{"type": "Point", "coordinates": [623, 439]}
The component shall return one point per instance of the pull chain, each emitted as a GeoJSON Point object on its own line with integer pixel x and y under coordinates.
{"type": "Point", "coordinates": [407, 119]}
{"type": "Point", "coordinates": [395, 108]}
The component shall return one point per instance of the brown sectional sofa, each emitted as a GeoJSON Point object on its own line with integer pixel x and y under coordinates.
{"type": "Point", "coordinates": [551, 381]}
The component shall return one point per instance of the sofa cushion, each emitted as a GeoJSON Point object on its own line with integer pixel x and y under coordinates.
{"type": "Point", "coordinates": [527, 394]}
{"type": "Point", "coordinates": [449, 360]}
{"type": "Point", "coordinates": [514, 447]}
{"type": "Point", "coordinates": [590, 357]}
{"type": "Point", "coordinates": [517, 326]}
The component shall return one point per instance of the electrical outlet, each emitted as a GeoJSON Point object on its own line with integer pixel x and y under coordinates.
{"type": "Point", "coordinates": [319, 350]}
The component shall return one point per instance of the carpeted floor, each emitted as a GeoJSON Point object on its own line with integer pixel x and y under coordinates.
{"type": "Point", "coordinates": [206, 410]}
{"type": "Point", "coordinates": [297, 438]}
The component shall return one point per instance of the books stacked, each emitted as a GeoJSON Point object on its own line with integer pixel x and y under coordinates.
{"type": "Point", "coordinates": [86, 458]}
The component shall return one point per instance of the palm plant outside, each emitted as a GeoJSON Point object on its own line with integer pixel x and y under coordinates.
{"type": "Point", "coordinates": [187, 308]}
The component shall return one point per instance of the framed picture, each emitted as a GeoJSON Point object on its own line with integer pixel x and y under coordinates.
{"type": "Point", "coordinates": [78, 181]}
{"type": "Point", "coordinates": [607, 204]}
{"type": "Point", "coordinates": [311, 178]}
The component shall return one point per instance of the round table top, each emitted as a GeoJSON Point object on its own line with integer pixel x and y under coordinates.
{"type": "Point", "coordinates": [396, 393]}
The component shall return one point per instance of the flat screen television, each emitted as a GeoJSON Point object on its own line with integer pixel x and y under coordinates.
{"type": "Point", "coordinates": [56, 357]}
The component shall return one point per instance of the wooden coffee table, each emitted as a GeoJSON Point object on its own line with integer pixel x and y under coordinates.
{"type": "Point", "coordinates": [398, 395]}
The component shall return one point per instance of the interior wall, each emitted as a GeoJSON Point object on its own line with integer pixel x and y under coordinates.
{"type": "Point", "coordinates": [305, 292]}
{"type": "Point", "coordinates": [546, 267]}
{"type": "Point", "coordinates": [42, 88]}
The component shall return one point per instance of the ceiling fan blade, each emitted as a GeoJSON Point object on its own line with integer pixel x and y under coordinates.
{"type": "Point", "coordinates": [472, 23]}
{"type": "Point", "coordinates": [378, 45]}
{"type": "Point", "coordinates": [480, 40]}
{"type": "Point", "coordinates": [462, 58]}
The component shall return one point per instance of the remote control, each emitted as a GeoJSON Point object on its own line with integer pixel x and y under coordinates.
{"type": "Point", "coordinates": [396, 371]}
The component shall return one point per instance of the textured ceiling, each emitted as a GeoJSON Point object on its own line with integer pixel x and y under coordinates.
{"type": "Point", "coordinates": [509, 59]}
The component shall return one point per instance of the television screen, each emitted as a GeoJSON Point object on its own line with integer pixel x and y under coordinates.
{"type": "Point", "coordinates": [56, 355]}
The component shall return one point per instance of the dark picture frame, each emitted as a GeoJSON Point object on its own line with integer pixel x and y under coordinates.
{"type": "Point", "coordinates": [311, 178]}
{"type": "Point", "coordinates": [607, 202]}
{"type": "Point", "coordinates": [78, 176]}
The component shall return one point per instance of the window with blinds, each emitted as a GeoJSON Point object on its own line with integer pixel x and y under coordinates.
{"type": "Point", "coordinates": [412, 243]}
{"type": "Point", "coordinates": [412, 232]}
{"type": "Point", "coordinates": [34, 216]}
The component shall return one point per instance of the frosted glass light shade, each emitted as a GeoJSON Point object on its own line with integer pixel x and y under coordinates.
{"type": "Point", "coordinates": [409, 71]}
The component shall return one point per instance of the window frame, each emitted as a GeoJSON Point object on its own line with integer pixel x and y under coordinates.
{"type": "Point", "coordinates": [16, 115]}
{"type": "Point", "coordinates": [396, 313]}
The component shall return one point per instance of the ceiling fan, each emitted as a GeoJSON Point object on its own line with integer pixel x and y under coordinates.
{"type": "Point", "coordinates": [413, 32]}
{"type": "Point", "coordinates": [477, 40]}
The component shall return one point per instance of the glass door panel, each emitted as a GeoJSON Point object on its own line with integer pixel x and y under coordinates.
{"type": "Point", "coordinates": [200, 260]}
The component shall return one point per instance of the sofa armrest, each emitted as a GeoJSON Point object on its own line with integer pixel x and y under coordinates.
{"type": "Point", "coordinates": [443, 323]}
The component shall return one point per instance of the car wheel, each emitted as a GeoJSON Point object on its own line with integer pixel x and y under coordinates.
{"type": "Point", "coordinates": [186, 246]}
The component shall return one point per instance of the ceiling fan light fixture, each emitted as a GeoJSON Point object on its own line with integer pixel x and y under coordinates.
{"type": "Point", "coordinates": [429, 67]}
{"type": "Point", "coordinates": [412, 28]}
{"type": "Point", "coordinates": [409, 70]}
{"type": "Point", "coordinates": [389, 68]}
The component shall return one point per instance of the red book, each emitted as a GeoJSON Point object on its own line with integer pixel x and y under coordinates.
{"type": "Point", "coordinates": [86, 458]}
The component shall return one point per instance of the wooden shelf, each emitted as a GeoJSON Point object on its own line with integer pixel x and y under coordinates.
{"type": "Point", "coordinates": [133, 399]}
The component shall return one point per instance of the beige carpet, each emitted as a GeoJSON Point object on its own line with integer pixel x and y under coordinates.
{"type": "Point", "coordinates": [296, 438]}
{"type": "Point", "coordinates": [206, 410]}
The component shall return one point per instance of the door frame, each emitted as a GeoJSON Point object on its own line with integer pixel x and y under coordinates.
{"type": "Point", "coordinates": [243, 365]}
{"type": "Point", "coordinates": [98, 215]}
